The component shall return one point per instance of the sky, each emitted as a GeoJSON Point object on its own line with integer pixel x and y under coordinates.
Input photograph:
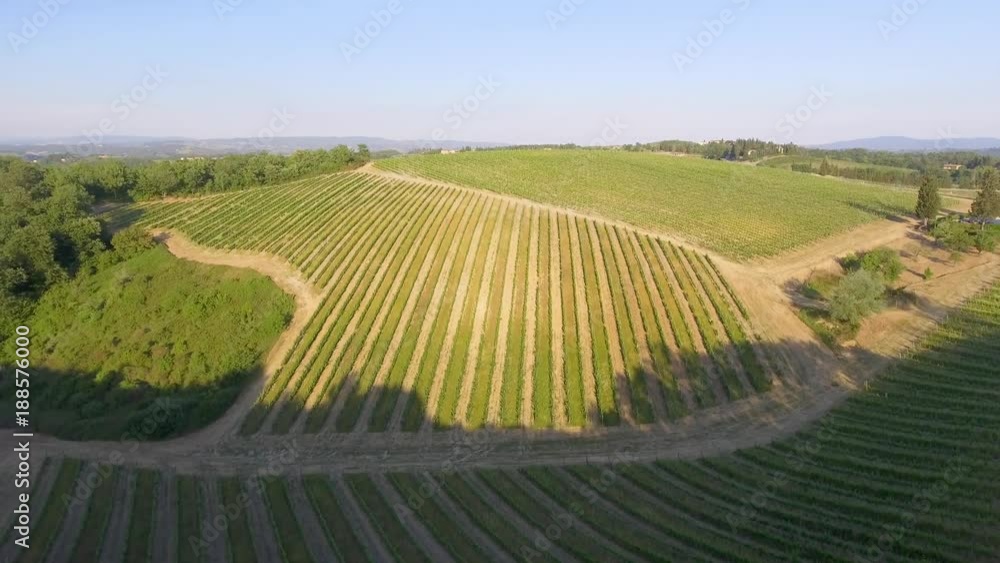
{"type": "Point", "coordinates": [512, 71]}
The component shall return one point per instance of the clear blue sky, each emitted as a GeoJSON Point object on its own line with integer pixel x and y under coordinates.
{"type": "Point", "coordinates": [560, 78]}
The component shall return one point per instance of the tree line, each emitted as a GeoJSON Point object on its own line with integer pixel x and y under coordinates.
{"type": "Point", "coordinates": [124, 180]}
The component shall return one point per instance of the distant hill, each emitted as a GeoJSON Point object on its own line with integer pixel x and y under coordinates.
{"type": "Point", "coordinates": [167, 147]}
{"type": "Point", "coordinates": [908, 144]}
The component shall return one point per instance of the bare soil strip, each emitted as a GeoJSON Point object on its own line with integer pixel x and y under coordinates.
{"type": "Point", "coordinates": [39, 493]}
{"type": "Point", "coordinates": [506, 304]}
{"type": "Point", "coordinates": [558, 350]}
{"type": "Point", "coordinates": [458, 516]}
{"type": "Point", "coordinates": [385, 308]}
{"type": "Point", "coordinates": [591, 404]}
{"type": "Point", "coordinates": [165, 518]}
{"type": "Point", "coordinates": [62, 548]}
{"type": "Point", "coordinates": [531, 320]}
{"type": "Point", "coordinates": [265, 544]}
{"type": "Point", "coordinates": [653, 390]}
{"type": "Point", "coordinates": [389, 359]}
{"type": "Point", "coordinates": [210, 514]}
{"type": "Point", "coordinates": [554, 507]}
{"type": "Point", "coordinates": [363, 529]}
{"type": "Point", "coordinates": [622, 392]}
{"type": "Point", "coordinates": [116, 535]}
{"type": "Point", "coordinates": [456, 316]}
{"type": "Point", "coordinates": [729, 349]}
{"type": "Point", "coordinates": [374, 243]}
{"type": "Point", "coordinates": [479, 320]}
{"type": "Point", "coordinates": [528, 531]}
{"type": "Point", "coordinates": [424, 538]}
{"type": "Point", "coordinates": [312, 530]}
{"type": "Point", "coordinates": [663, 321]}
{"type": "Point", "coordinates": [428, 324]}
{"type": "Point", "coordinates": [714, 379]}
{"type": "Point", "coordinates": [317, 392]}
{"type": "Point", "coordinates": [306, 302]}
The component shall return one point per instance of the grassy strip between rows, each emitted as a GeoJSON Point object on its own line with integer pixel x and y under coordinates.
{"type": "Point", "coordinates": [513, 377]}
{"type": "Point", "coordinates": [189, 517]}
{"type": "Point", "coordinates": [46, 528]}
{"type": "Point", "coordinates": [290, 539]}
{"type": "Point", "coordinates": [383, 517]}
{"type": "Point", "coordinates": [604, 374]}
{"type": "Point", "coordinates": [339, 532]}
{"type": "Point", "coordinates": [237, 505]}
{"type": "Point", "coordinates": [542, 378]}
{"type": "Point", "coordinates": [573, 386]}
{"type": "Point", "coordinates": [102, 501]}
{"type": "Point", "coordinates": [432, 515]}
{"type": "Point", "coordinates": [144, 501]}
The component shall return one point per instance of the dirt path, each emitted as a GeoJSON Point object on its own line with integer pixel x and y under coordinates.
{"type": "Point", "coordinates": [420, 534]}
{"type": "Point", "coordinates": [211, 512]}
{"type": "Point", "coordinates": [556, 322]}
{"type": "Point", "coordinates": [116, 534]}
{"type": "Point", "coordinates": [619, 374]}
{"type": "Point", "coordinates": [482, 540]}
{"type": "Point", "coordinates": [433, 311]}
{"type": "Point", "coordinates": [653, 390]}
{"type": "Point", "coordinates": [69, 533]}
{"type": "Point", "coordinates": [663, 321]}
{"type": "Point", "coordinates": [531, 325]}
{"type": "Point", "coordinates": [592, 407]}
{"type": "Point", "coordinates": [262, 531]}
{"type": "Point", "coordinates": [506, 310]}
{"type": "Point", "coordinates": [714, 379]}
{"type": "Point", "coordinates": [306, 303]}
{"type": "Point", "coordinates": [364, 530]}
{"type": "Point", "coordinates": [431, 258]}
{"type": "Point", "coordinates": [164, 534]}
{"type": "Point", "coordinates": [434, 398]}
{"type": "Point", "coordinates": [526, 529]}
{"type": "Point", "coordinates": [312, 530]}
{"type": "Point", "coordinates": [479, 319]}
{"type": "Point", "coordinates": [385, 307]}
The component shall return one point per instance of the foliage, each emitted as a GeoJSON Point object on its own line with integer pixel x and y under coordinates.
{"type": "Point", "coordinates": [858, 295]}
{"type": "Point", "coordinates": [767, 210]}
{"type": "Point", "coordinates": [883, 262]}
{"type": "Point", "coordinates": [986, 207]}
{"type": "Point", "coordinates": [986, 240]}
{"type": "Point", "coordinates": [928, 274]}
{"type": "Point", "coordinates": [46, 235]}
{"type": "Point", "coordinates": [929, 198]}
{"type": "Point", "coordinates": [954, 235]}
{"type": "Point", "coordinates": [152, 337]}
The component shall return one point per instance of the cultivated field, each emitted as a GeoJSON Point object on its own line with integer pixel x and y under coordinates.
{"type": "Point", "coordinates": [740, 211]}
{"type": "Point", "coordinates": [443, 307]}
{"type": "Point", "coordinates": [903, 471]}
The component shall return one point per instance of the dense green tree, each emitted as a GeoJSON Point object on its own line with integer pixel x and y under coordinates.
{"type": "Point", "coordinates": [986, 207]}
{"type": "Point", "coordinates": [928, 198]}
{"type": "Point", "coordinates": [858, 295]}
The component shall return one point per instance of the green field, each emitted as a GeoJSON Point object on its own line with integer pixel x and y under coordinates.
{"type": "Point", "coordinates": [741, 211]}
{"type": "Point", "coordinates": [152, 336]}
{"type": "Point", "coordinates": [425, 307]}
{"type": "Point", "coordinates": [906, 470]}
{"type": "Point", "coordinates": [786, 163]}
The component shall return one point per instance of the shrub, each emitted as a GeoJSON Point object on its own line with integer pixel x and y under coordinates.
{"type": "Point", "coordinates": [882, 262]}
{"type": "Point", "coordinates": [131, 242]}
{"type": "Point", "coordinates": [953, 235]}
{"type": "Point", "coordinates": [928, 273]}
{"type": "Point", "coordinates": [858, 295]}
{"type": "Point", "coordinates": [985, 241]}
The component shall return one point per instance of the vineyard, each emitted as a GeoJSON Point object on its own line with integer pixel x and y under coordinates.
{"type": "Point", "coordinates": [740, 211]}
{"type": "Point", "coordinates": [443, 307]}
{"type": "Point", "coordinates": [906, 470]}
